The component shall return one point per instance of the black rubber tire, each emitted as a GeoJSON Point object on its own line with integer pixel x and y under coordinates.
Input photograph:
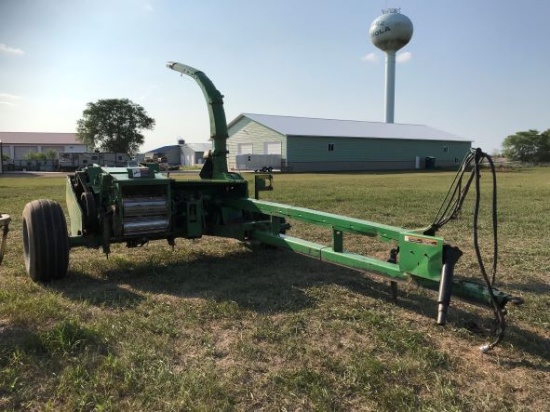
{"type": "Point", "coordinates": [89, 211]}
{"type": "Point", "coordinates": [45, 240]}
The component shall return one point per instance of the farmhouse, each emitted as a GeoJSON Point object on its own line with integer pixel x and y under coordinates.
{"type": "Point", "coordinates": [312, 144]}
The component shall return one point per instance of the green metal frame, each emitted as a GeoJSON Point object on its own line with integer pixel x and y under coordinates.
{"type": "Point", "coordinates": [421, 257]}
{"type": "Point", "coordinates": [218, 204]}
{"type": "Point", "coordinates": [418, 256]}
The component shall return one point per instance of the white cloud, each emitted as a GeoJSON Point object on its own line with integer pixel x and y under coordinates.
{"type": "Point", "coordinates": [7, 99]}
{"type": "Point", "coordinates": [404, 57]}
{"type": "Point", "coordinates": [4, 48]}
{"type": "Point", "coordinates": [371, 58]}
{"type": "Point", "coordinates": [9, 96]}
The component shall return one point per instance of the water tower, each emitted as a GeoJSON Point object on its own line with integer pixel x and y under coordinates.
{"type": "Point", "coordinates": [390, 32]}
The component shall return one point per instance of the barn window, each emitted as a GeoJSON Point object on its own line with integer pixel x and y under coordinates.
{"type": "Point", "coordinates": [456, 160]}
{"type": "Point", "coordinates": [331, 147]}
{"type": "Point", "coordinates": [445, 149]}
{"type": "Point", "coordinates": [272, 148]}
{"type": "Point", "coordinates": [244, 148]}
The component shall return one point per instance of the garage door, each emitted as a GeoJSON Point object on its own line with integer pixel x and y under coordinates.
{"type": "Point", "coordinates": [20, 151]}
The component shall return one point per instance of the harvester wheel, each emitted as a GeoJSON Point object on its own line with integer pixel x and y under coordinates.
{"type": "Point", "coordinates": [45, 240]}
{"type": "Point", "coordinates": [90, 211]}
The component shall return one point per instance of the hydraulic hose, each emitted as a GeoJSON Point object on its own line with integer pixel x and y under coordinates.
{"type": "Point", "coordinates": [450, 209]}
{"type": "Point", "coordinates": [499, 314]}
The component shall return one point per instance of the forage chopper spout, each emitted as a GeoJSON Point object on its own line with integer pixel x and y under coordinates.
{"type": "Point", "coordinates": [216, 165]}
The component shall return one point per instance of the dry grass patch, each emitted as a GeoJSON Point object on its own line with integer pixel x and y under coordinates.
{"type": "Point", "coordinates": [219, 325]}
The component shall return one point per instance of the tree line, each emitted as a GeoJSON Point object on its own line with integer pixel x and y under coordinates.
{"type": "Point", "coordinates": [116, 125]}
{"type": "Point", "coordinates": [528, 146]}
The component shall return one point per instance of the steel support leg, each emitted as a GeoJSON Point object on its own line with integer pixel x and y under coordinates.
{"type": "Point", "coordinates": [450, 258]}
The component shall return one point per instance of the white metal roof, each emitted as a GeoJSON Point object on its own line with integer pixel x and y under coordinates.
{"type": "Point", "coordinates": [39, 138]}
{"type": "Point", "coordinates": [306, 126]}
{"type": "Point", "coordinates": [199, 147]}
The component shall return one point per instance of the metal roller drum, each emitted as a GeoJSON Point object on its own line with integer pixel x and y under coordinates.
{"type": "Point", "coordinates": [144, 226]}
{"type": "Point", "coordinates": [145, 215]}
{"type": "Point", "coordinates": [144, 206]}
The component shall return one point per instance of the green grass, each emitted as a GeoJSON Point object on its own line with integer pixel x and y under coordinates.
{"type": "Point", "coordinates": [220, 325]}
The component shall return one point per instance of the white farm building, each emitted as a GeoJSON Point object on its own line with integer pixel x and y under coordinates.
{"type": "Point", "coordinates": [16, 145]}
{"type": "Point", "coordinates": [312, 144]}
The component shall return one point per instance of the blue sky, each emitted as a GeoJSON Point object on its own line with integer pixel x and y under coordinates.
{"type": "Point", "coordinates": [477, 69]}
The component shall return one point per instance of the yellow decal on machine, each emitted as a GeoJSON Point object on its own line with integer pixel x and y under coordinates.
{"type": "Point", "coordinates": [421, 240]}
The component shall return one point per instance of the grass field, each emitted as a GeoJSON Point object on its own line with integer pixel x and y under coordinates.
{"type": "Point", "coordinates": [220, 325]}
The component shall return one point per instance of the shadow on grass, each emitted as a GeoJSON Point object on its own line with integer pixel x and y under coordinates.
{"type": "Point", "coordinates": [108, 292]}
{"type": "Point", "coordinates": [12, 336]}
{"type": "Point", "coordinates": [419, 302]}
{"type": "Point", "coordinates": [536, 287]}
{"type": "Point", "coordinates": [267, 281]}
{"type": "Point", "coordinates": [67, 338]}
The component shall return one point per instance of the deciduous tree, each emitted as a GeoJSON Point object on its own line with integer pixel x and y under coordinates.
{"type": "Point", "coordinates": [114, 125]}
{"type": "Point", "coordinates": [528, 146]}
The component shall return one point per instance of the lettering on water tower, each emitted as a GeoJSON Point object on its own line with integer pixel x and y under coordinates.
{"type": "Point", "coordinates": [391, 10]}
{"type": "Point", "coordinates": [382, 28]}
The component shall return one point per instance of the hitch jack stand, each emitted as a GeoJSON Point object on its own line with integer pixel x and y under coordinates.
{"type": "Point", "coordinates": [451, 255]}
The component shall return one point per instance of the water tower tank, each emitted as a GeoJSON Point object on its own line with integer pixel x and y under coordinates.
{"type": "Point", "coordinates": [390, 32]}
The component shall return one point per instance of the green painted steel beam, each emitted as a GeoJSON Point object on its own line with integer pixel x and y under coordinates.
{"type": "Point", "coordinates": [330, 220]}
{"type": "Point", "coordinates": [420, 254]}
{"type": "Point", "coordinates": [327, 254]}
{"type": "Point", "coordinates": [79, 240]}
{"type": "Point", "coordinates": [467, 290]}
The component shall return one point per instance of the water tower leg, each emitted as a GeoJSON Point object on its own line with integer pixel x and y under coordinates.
{"type": "Point", "coordinates": [390, 86]}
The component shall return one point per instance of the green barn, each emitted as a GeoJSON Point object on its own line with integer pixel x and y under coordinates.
{"type": "Point", "coordinates": [320, 145]}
